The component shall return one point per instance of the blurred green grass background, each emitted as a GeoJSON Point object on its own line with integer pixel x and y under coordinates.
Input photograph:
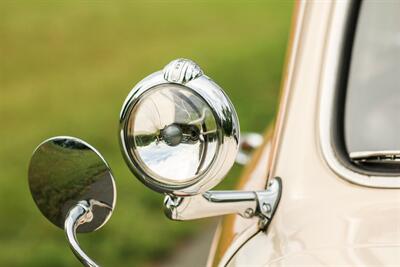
{"type": "Point", "coordinates": [66, 68]}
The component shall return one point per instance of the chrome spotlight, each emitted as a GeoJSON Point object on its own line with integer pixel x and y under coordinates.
{"type": "Point", "coordinates": [179, 131]}
{"type": "Point", "coordinates": [179, 135]}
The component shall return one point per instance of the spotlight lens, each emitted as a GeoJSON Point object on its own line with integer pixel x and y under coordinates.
{"type": "Point", "coordinates": [173, 134]}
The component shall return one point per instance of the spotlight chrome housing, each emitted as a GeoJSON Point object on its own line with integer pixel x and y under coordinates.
{"type": "Point", "coordinates": [179, 132]}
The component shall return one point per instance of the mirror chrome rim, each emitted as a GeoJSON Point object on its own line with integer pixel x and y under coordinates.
{"type": "Point", "coordinates": [186, 73]}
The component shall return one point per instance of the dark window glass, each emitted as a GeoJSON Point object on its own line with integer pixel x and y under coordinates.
{"type": "Point", "coordinates": [372, 107]}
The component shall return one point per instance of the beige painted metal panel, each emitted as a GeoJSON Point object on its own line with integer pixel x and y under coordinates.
{"type": "Point", "coordinates": [322, 219]}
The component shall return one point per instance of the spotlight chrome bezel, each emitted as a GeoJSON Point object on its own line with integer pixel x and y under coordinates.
{"type": "Point", "coordinates": [186, 73]}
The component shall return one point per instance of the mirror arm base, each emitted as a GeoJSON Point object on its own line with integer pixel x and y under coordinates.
{"type": "Point", "coordinates": [79, 214]}
{"type": "Point", "coordinates": [247, 204]}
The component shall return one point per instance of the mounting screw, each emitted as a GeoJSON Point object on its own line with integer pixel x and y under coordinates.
{"type": "Point", "coordinates": [249, 213]}
{"type": "Point", "coordinates": [266, 208]}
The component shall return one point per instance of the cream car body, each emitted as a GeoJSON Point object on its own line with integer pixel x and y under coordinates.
{"type": "Point", "coordinates": [328, 214]}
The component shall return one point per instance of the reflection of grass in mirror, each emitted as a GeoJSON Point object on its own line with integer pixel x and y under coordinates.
{"type": "Point", "coordinates": [67, 67]}
{"type": "Point", "coordinates": [62, 176]}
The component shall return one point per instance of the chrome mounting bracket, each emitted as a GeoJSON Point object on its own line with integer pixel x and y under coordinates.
{"type": "Point", "coordinates": [78, 215]}
{"type": "Point", "coordinates": [215, 203]}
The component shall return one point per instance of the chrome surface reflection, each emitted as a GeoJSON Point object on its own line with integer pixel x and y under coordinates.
{"type": "Point", "coordinates": [66, 170]}
{"type": "Point", "coordinates": [179, 132]}
{"type": "Point", "coordinates": [171, 125]}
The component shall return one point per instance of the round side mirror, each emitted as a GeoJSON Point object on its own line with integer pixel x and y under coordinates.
{"type": "Point", "coordinates": [64, 171]}
{"type": "Point", "coordinates": [73, 187]}
{"type": "Point", "coordinates": [179, 132]}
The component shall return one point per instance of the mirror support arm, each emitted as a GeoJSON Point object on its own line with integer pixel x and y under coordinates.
{"type": "Point", "coordinates": [215, 203]}
{"type": "Point", "coordinates": [80, 214]}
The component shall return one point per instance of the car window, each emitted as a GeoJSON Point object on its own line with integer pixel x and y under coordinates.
{"type": "Point", "coordinates": [372, 105]}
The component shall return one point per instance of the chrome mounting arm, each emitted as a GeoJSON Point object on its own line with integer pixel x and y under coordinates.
{"type": "Point", "coordinates": [80, 214]}
{"type": "Point", "coordinates": [215, 203]}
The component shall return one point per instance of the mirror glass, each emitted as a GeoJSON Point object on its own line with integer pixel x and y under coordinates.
{"type": "Point", "coordinates": [174, 134]}
{"type": "Point", "coordinates": [66, 170]}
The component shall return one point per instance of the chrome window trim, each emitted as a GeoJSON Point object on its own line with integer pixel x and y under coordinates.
{"type": "Point", "coordinates": [329, 84]}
